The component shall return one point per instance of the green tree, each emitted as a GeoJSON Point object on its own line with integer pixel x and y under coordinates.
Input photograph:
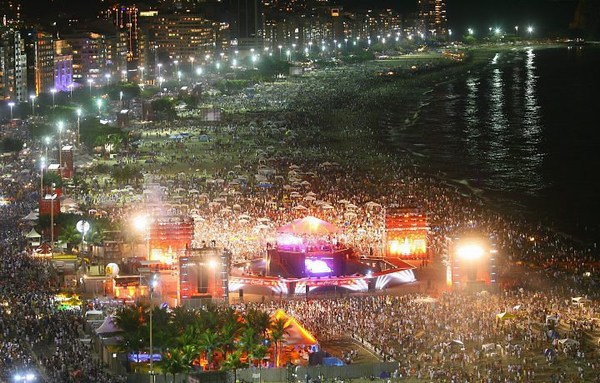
{"type": "Point", "coordinates": [161, 328]}
{"type": "Point", "coordinates": [174, 362]}
{"type": "Point", "coordinates": [209, 343]}
{"type": "Point", "coordinates": [10, 144]}
{"type": "Point", "coordinates": [259, 320]}
{"type": "Point", "coordinates": [70, 236]}
{"type": "Point", "coordinates": [233, 362]}
{"type": "Point", "coordinates": [278, 331]}
{"type": "Point", "coordinates": [230, 329]}
{"type": "Point", "coordinates": [182, 318]}
{"type": "Point", "coordinates": [164, 108]}
{"type": "Point", "coordinates": [248, 340]}
{"type": "Point", "coordinates": [131, 321]}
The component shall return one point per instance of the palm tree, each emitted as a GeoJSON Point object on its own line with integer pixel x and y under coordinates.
{"type": "Point", "coordinates": [69, 236]}
{"type": "Point", "coordinates": [257, 354]}
{"type": "Point", "coordinates": [208, 318]}
{"type": "Point", "coordinates": [182, 318]}
{"type": "Point", "coordinates": [173, 362]}
{"type": "Point", "coordinates": [248, 340]}
{"type": "Point", "coordinates": [190, 354]}
{"type": "Point", "coordinates": [278, 331]}
{"type": "Point", "coordinates": [231, 326]}
{"type": "Point", "coordinates": [259, 320]}
{"type": "Point", "coordinates": [233, 361]}
{"type": "Point", "coordinates": [162, 329]}
{"type": "Point", "coordinates": [209, 342]}
{"type": "Point", "coordinates": [131, 321]}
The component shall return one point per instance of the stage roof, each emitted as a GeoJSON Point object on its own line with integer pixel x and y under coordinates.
{"type": "Point", "coordinates": [309, 225]}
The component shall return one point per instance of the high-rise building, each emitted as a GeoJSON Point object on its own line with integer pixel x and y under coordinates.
{"type": "Point", "coordinates": [39, 47]}
{"type": "Point", "coordinates": [181, 36]}
{"type": "Point", "coordinates": [13, 65]}
{"type": "Point", "coordinates": [63, 66]}
{"type": "Point", "coordinates": [89, 56]}
{"type": "Point", "coordinates": [126, 19]}
{"type": "Point", "coordinates": [246, 21]}
{"type": "Point", "coordinates": [432, 18]}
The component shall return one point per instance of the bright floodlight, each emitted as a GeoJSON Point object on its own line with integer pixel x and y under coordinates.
{"type": "Point", "coordinates": [29, 377]}
{"type": "Point", "coordinates": [470, 251]}
{"type": "Point", "coordinates": [140, 222]}
{"type": "Point", "coordinates": [529, 29]}
{"type": "Point", "coordinates": [212, 264]}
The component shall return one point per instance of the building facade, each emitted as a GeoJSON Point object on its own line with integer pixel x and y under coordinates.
{"type": "Point", "coordinates": [63, 66]}
{"type": "Point", "coordinates": [13, 65]}
{"type": "Point", "coordinates": [39, 48]}
{"type": "Point", "coordinates": [432, 18]}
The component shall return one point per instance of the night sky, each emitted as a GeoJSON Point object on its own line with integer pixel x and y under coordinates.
{"type": "Point", "coordinates": [546, 16]}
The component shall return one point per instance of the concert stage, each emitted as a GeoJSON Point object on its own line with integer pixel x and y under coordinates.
{"type": "Point", "coordinates": [307, 257]}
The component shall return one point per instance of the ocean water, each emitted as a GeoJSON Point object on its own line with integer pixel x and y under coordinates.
{"type": "Point", "coordinates": [525, 131]}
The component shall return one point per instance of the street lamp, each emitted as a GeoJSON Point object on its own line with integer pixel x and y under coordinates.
{"type": "Point", "coordinates": [279, 46]}
{"type": "Point", "coordinates": [153, 285]}
{"type": "Point", "coordinates": [47, 142]}
{"type": "Point", "coordinates": [99, 103]}
{"type": "Point", "coordinates": [11, 106]}
{"type": "Point", "coordinates": [471, 31]}
{"type": "Point", "coordinates": [28, 377]}
{"type": "Point", "coordinates": [199, 71]}
{"type": "Point", "coordinates": [192, 64]}
{"type": "Point", "coordinates": [52, 197]}
{"type": "Point", "coordinates": [32, 97]}
{"type": "Point", "coordinates": [78, 123]}
{"type": "Point", "coordinates": [530, 30]}
{"type": "Point", "coordinates": [516, 30]}
{"type": "Point", "coordinates": [42, 168]}
{"type": "Point", "coordinates": [82, 227]}
{"type": "Point", "coordinates": [90, 82]}
{"type": "Point", "coordinates": [70, 86]}
{"type": "Point", "coordinates": [53, 91]}
{"type": "Point", "coordinates": [60, 128]}
{"type": "Point", "coordinates": [107, 76]}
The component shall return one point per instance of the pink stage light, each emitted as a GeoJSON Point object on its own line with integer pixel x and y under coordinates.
{"type": "Point", "coordinates": [288, 240]}
{"type": "Point", "coordinates": [317, 266]}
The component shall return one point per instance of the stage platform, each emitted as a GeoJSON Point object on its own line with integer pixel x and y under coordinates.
{"type": "Point", "coordinates": [377, 274]}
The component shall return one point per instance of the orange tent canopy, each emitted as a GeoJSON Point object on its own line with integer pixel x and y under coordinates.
{"type": "Point", "coordinates": [296, 334]}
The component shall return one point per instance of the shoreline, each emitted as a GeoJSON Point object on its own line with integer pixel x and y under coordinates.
{"type": "Point", "coordinates": [413, 98]}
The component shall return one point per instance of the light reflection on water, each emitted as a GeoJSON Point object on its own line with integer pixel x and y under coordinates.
{"type": "Point", "coordinates": [486, 127]}
{"type": "Point", "coordinates": [524, 126]}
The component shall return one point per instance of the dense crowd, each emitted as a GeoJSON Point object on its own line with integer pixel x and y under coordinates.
{"type": "Point", "coordinates": [265, 185]}
{"type": "Point", "coordinates": [35, 336]}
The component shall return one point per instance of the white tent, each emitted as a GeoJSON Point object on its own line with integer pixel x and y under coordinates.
{"type": "Point", "coordinates": [108, 327]}
{"type": "Point", "coordinates": [31, 216]}
{"type": "Point", "coordinates": [32, 234]}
